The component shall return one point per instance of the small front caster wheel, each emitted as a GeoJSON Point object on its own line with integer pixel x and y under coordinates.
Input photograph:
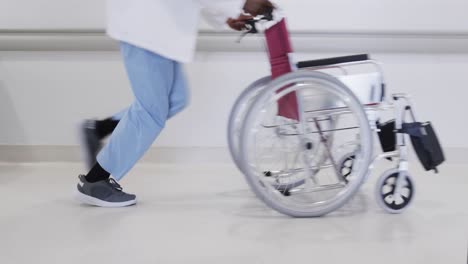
{"type": "Point", "coordinates": [386, 195]}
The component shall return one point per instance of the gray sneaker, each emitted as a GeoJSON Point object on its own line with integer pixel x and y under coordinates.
{"type": "Point", "coordinates": [90, 142]}
{"type": "Point", "coordinates": [106, 193]}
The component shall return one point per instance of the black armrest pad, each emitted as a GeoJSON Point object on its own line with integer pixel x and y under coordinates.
{"type": "Point", "coordinates": [331, 61]}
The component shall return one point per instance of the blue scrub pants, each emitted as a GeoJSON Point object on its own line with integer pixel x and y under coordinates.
{"type": "Point", "coordinates": [160, 91]}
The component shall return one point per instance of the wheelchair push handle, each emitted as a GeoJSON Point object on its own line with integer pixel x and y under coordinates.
{"type": "Point", "coordinates": [251, 24]}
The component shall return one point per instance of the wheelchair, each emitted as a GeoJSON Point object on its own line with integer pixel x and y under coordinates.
{"type": "Point", "coordinates": [304, 136]}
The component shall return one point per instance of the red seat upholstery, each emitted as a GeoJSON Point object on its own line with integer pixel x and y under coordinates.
{"type": "Point", "coordinates": [279, 48]}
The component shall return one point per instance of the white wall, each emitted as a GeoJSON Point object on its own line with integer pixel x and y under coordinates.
{"type": "Point", "coordinates": [371, 15]}
{"type": "Point", "coordinates": [43, 95]}
{"type": "Point", "coordinates": [52, 14]}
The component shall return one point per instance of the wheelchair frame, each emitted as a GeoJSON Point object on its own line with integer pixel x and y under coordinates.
{"type": "Point", "coordinates": [399, 103]}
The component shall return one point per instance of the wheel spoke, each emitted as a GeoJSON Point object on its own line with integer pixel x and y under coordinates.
{"type": "Point", "coordinates": [405, 199]}
{"type": "Point", "coordinates": [388, 194]}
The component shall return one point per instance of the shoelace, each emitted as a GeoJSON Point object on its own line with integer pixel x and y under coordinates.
{"type": "Point", "coordinates": [114, 184]}
{"type": "Point", "coordinates": [90, 124]}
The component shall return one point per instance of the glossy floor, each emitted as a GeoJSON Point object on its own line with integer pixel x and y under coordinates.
{"type": "Point", "coordinates": [206, 214]}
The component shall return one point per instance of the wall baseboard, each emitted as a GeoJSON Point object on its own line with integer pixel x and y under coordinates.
{"type": "Point", "coordinates": [33, 154]}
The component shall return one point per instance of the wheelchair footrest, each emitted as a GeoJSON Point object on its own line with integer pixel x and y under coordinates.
{"type": "Point", "coordinates": [425, 143]}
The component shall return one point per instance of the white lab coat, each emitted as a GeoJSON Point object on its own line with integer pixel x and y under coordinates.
{"type": "Point", "coordinates": [166, 27]}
